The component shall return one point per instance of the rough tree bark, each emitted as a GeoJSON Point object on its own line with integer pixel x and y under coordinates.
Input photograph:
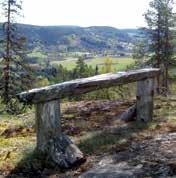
{"type": "Point", "coordinates": [50, 141]}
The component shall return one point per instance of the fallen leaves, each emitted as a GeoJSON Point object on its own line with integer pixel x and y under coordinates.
{"type": "Point", "coordinates": [16, 131]}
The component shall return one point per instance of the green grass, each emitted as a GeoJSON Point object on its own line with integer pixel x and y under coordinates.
{"type": "Point", "coordinates": [69, 63]}
{"type": "Point", "coordinates": [118, 63]}
{"type": "Point", "coordinates": [172, 72]}
{"type": "Point", "coordinates": [12, 148]}
{"type": "Point", "coordinates": [37, 54]}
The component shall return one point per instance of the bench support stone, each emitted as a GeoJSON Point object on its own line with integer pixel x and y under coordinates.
{"type": "Point", "coordinates": [145, 92]}
{"type": "Point", "coordinates": [50, 140]}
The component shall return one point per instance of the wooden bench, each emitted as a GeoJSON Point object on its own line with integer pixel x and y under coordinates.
{"type": "Point", "coordinates": [50, 139]}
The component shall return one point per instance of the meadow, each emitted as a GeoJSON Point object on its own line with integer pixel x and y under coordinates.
{"type": "Point", "coordinates": [117, 63]}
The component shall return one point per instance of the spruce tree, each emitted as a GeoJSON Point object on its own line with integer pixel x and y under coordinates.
{"type": "Point", "coordinates": [160, 21]}
{"type": "Point", "coordinates": [16, 75]}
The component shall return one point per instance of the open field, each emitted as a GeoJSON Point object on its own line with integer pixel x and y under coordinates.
{"type": "Point", "coordinates": [37, 54]}
{"type": "Point", "coordinates": [118, 63]}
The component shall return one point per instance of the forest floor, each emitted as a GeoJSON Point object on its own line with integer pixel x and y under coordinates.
{"type": "Point", "coordinates": [103, 138]}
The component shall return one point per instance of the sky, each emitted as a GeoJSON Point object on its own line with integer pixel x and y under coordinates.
{"type": "Point", "coordinates": [116, 13]}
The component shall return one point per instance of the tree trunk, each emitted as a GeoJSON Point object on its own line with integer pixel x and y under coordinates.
{"type": "Point", "coordinates": [166, 81]}
{"type": "Point", "coordinates": [7, 55]}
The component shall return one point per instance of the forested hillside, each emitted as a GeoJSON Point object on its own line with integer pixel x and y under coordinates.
{"type": "Point", "coordinates": [75, 38]}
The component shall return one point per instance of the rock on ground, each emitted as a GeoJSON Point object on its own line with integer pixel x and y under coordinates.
{"type": "Point", "coordinates": [120, 170]}
{"type": "Point", "coordinates": [149, 158]}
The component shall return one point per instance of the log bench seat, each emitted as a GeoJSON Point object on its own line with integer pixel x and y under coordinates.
{"type": "Point", "coordinates": [50, 139]}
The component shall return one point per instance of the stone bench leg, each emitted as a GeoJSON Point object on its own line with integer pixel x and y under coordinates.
{"type": "Point", "coordinates": [50, 140]}
{"type": "Point", "coordinates": [145, 92]}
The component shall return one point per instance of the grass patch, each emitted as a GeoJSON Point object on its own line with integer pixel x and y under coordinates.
{"type": "Point", "coordinates": [113, 139]}
{"type": "Point", "coordinates": [12, 148]}
{"type": "Point", "coordinates": [102, 143]}
{"type": "Point", "coordinates": [118, 63]}
{"type": "Point", "coordinates": [37, 54]}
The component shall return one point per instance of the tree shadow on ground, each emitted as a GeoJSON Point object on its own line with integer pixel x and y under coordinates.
{"type": "Point", "coordinates": [35, 165]}
{"type": "Point", "coordinates": [112, 140]}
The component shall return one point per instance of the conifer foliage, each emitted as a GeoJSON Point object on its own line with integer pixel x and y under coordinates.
{"type": "Point", "coordinates": [160, 20]}
{"type": "Point", "coordinates": [15, 73]}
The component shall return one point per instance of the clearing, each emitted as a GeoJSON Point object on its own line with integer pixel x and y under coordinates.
{"type": "Point", "coordinates": [118, 63]}
{"type": "Point", "coordinates": [98, 132]}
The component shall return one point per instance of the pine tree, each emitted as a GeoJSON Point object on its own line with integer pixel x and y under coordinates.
{"type": "Point", "coordinates": [81, 69]}
{"type": "Point", "coordinates": [16, 72]}
{"type": "Point", "coordinates": [96, 70]}
{"type": "Point", "coordinates": [140, 52]}
{"type": "Point", "coordinates": [160, 21]}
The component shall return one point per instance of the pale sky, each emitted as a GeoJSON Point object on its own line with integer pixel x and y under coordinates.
{"type": "Point", "coordinates": [116, 13]}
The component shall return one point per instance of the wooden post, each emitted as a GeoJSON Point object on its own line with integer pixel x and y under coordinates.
{"type": "Point", "coordinates": [48, 122]}
{"type": "Point", "coordinates": [50, 140]}
{"type": "Point", "coordinates": [145, 92]}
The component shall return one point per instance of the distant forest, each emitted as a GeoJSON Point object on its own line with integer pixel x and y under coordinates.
{"type": "Point", "coordinates": [75, 38]}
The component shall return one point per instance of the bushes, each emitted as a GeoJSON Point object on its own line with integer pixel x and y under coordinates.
{"type": "Point", "coordinates": [82, 70]}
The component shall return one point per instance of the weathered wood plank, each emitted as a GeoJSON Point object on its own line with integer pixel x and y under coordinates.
{"type": "Point", "coordinates": [81, 86]}
{"type": "Point", "coordinates": [145, 92]}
